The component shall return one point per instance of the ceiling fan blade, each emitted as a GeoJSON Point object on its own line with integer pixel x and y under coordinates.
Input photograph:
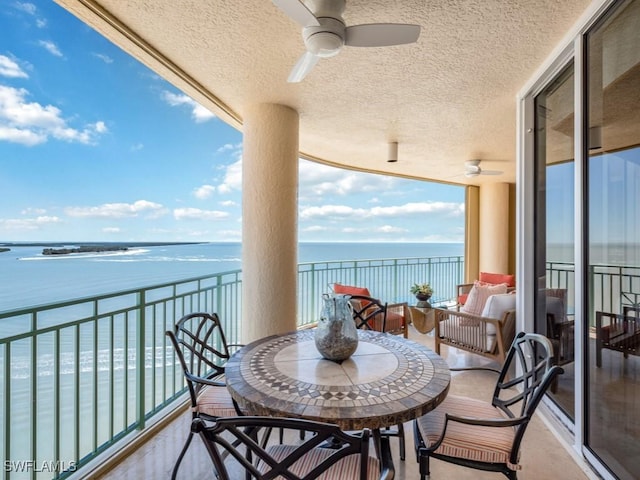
{"type": "Point", "coordinates": [303, 66]}
{"type": "Point", "coordinates": [298, 11]}
{"type": "Point", "coordinates": [381, 34]}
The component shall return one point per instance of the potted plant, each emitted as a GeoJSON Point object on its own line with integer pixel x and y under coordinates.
{"type": "Point", "coordinates": [422, 291]}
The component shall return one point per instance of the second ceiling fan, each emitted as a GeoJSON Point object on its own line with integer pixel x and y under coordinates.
{"type": "Point", "coordinates": [472, 169]}
{"type": "Point", "coordinates": [325, 33]}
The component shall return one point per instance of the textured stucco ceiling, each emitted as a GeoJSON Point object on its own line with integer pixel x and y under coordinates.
{"type": "Point", "coordinates": [446, 99]}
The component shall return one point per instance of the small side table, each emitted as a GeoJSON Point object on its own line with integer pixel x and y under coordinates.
{"type": "Point", "coordinates": [423, 317]}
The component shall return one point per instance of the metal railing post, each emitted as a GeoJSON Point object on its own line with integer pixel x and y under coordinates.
{"type": "Point", "coordinates": [140, 356]}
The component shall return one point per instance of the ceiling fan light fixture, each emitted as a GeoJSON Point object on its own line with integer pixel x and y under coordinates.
{"type": "Point", "coordinates": [392, 155]}
{"type": "Point", "coordinates": [325, 40]}
{"type": "Point", "coordinates": [324, 44]}
{"type": "Point", "coordinates": [324, 32]}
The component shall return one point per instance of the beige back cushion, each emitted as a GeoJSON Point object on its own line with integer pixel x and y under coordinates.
{"type": "Point", "coordinates": [478, 296]}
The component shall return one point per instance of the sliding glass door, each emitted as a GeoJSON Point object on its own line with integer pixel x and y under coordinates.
{"type": "Point", "coordinates": [613, 256]}
{"type": "Point", "coordinates": [554, 227]}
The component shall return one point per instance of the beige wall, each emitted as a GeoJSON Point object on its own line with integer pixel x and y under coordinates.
{"type": "Point", "coordinates": [472, 234]}
{"type": "Point", "coordinates": [490, 229]}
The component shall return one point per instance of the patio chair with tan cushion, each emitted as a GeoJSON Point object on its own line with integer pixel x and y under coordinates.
{"type": "Point", "coordinates": [486, 435]}
{"type": "Point", "coordinates": [234, 447]}
{"type": "Point", "coordinates": [202, 350]}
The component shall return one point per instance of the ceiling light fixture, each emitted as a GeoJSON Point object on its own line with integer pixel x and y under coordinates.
{"type": "Point", "coordinates": [392, 157]}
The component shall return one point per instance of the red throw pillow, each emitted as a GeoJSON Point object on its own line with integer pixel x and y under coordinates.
{"type": "Point", "coordinates": [462, 298]}
{"type": "Point", "coordinates": [496, 278]}
{"type": "Point", "coordinates": [350, 290]}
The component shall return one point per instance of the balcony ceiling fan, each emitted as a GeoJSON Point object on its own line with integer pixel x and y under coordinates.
{"type": "Point", "coordinates": [324, 32]}
{"type": "Point", "coordinates": [472, 169]}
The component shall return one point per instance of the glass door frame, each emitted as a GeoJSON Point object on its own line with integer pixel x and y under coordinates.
{"type": "Point", "coordinates": [571, 49]}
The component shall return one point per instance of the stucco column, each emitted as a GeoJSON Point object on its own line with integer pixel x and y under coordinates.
{"type": "Point", "coordinates": [494, 228]}
{"type": "Point", "coordinates": [269, 220]}
{"type": "Point", "coordinates": [472, 234]}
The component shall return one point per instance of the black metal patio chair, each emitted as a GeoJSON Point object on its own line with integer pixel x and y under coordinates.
{"type": "Point", "coordinates": [487, 435]}
{"type": "Point", "coordinates": [328, 453]}
{"type": "Point", "coordinates": [201, 347]}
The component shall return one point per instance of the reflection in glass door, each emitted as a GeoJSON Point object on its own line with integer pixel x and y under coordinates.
{"type": "Point", "coordinates": [554, 255]}
{"type": "Point", "coordinates": [613, 219]}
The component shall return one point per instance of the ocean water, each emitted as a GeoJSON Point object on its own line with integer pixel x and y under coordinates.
{"type": "Point", "coordinates": [28, 278]}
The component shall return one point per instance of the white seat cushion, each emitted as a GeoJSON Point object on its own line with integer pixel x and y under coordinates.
{"type": "Point", "coordinates": [496, 307]}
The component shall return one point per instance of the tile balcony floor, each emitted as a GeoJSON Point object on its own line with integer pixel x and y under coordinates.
{"type": "Point", "coordinates": [542, 454]}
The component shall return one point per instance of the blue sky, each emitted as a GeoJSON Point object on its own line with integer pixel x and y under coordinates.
{"type": "Point", "coordinates": [96, 147]}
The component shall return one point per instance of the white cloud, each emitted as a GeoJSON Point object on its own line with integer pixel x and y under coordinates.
{"type": "Point", "coordinates": [51, 47]}
{"type": "Point", "coordinates": [228, 235]}
{"type": "Point", "coordinates": [198, 214]}
{"type": "Point", "coordinates": [232, 178]}
{"type": "Point", "coordinates": [25, 137]}
{"type": "Point", "coordinates": [30, 9]}
{"type": "Point", "coordinates": [228, 203]}
{"type": "Point", "coordinates": [117, 210]}
{"type": "Point", "coordinates": [103, 57]}
{"type": "Point", "coordinates": [229, 147]}
{"type": "Point", "coordinates": [137, 147]}
{"type": "Point", "coordinates": [33, 211]}
{"type": "Point", "coordinates": [331, 211]}
{"type": "Point", "coordinates": [27, 223]}
{"type": "Point", "coordinates": [203, 192]}
{"type": "Point", "coordinates": [315, 228]}
{"type": "Point", "coordinates": [27, 7]}
{"type": "Point", "coordinates": [30, 123]}
{"type": "Point", "coordinates": [111, 230]}
{"type": "Point", "coordinates": [318, 180]}
{"type": "Point", "coordinates": [418, 208]}
{"type": "Point", "coordinates": [9, 68]}
{"type": "Point", "coordinates": [345, 212]}
{"type": "Point", "coordinates": [390, 229]}
{"type": "Point", "coordinates": [198, 112]}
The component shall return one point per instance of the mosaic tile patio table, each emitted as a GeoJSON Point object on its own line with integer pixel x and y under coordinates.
{"type": "Point", "coordinates": [388, 380]}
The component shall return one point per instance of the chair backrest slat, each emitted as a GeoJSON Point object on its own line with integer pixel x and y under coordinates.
{"type": "Point", "coordinates": [240, 437]}
{"type": "Point", "coordinates": [369, 313]}
{"type": "Point", "coordinates": [201, 348]}
{"type": "Point", "coordinates": [525, 376]}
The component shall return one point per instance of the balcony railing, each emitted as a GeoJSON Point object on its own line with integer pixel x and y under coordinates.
{"type": "Point", "coordinates": [78, 376]}
{"type": "Point", "coordinates": [611, 287]}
